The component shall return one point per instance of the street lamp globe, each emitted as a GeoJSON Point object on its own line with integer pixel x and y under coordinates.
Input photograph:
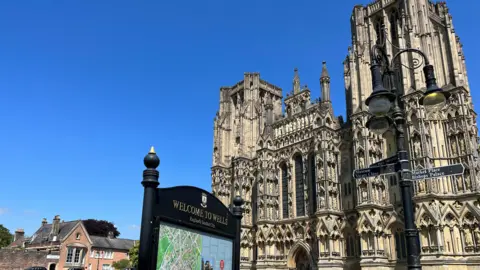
{"type": "Point", "coordinates": [378, 125]}
{"type": "Point", "coordinates": [379, 105]}
{"type": "Point", "coordinates": [434, 101]}
{"type": "Point", "coordinates": [434, 97]}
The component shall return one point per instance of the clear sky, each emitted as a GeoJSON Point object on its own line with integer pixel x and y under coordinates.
{"type": "Point", "coordinates": [87, 86]}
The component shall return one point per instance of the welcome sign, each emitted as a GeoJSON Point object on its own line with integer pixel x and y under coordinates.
{"type": "Point", "coordinates": [193, 230]}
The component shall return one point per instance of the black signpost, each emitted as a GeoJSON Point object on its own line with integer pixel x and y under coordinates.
{"type": "Point", "coordinates": [442, 171]}
{"type": "Point", "coordinates": [184, 210]}
{"type": "Point", "coordinates": [375, 171]}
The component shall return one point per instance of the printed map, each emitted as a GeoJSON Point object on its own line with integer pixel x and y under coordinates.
{"type": "Point", "coordinates": [184, 249]}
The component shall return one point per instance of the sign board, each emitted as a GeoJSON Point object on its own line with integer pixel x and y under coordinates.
{"type": "Point", "coordinates": [450, 170]}
{"type": "Point", "coordinates": [374, 171]}
{"type": "Point", "coordinates": [390, 160]}
{"type": "Point", "coordinates": [194, 230]}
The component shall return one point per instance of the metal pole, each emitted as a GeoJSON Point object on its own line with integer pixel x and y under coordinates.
{"type": "Point", "coordinates": [150, 184]}
{"type": "Point", "coordinates": [405, 181]}
{"type": "Point", "coordinates": [238, 213]}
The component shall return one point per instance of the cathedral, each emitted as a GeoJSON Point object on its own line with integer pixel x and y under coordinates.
{"type": "Point", "coordinates": [293, 167]}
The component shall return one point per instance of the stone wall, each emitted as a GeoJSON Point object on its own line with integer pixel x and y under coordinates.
{"type": "Point", "coordinates": [12, 259]}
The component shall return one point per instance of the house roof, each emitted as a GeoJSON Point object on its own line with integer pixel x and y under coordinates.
{"type": "Point", "coordinates": [112, 243]}
{"type": "Point", "coordinates": [43, 232]}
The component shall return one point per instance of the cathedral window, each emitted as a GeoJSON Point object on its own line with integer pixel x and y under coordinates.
{"type": "Point", "coordinates": [400, 245]}
{"type": "Point", "coordinates": [394, 26]}
{"type": "Point", "coordinates": [284, 171]}
{"type": "Point", "coordinates": [313, 181]}
{"type": "Point", "coordinates": [299, 189]}
{"type": "Point", "coordinates": [379, 30]}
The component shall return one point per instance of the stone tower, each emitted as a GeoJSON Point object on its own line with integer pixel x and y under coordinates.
{"type": "Point", "coordinates": [446, 207]}
{"type": "Point", "coordinates": [294, 169]}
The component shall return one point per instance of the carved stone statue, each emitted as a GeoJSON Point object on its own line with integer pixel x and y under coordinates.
{"type": "Point", "coordinates": [322, 202]}
{"type": "Point", "coordinates": [462, 145]}
{"type": "Point", "coordinates": [364, 193]}
{"type": "Point", "coordinates": [477, 237]}
{"type": "Point", "coordinates": [361, 162]}
{"type": "Point", "coordinates": [417, 148]}
{"type": "Point", "coordinates": [421, 186]}
{"type": "Point", "coordinates": [468, 238]}
{"type": "Point", "coordinates": [459, 183]}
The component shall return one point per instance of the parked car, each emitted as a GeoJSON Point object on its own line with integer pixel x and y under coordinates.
{"type": "Point", "coordinates": [36, 268]}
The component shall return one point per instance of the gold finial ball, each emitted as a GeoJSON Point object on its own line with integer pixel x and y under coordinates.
{"type": "Point", "coordinates": [151, 160]}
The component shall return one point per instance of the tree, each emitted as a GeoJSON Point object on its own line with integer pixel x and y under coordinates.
{"type": "Point", "coordinates": [100, 227]}
{"type": "Point", "coordinates": [133, 253]}
{"type": "Point", "coordinates": [5, 236]}
{"type": "Point", "coordinates": [122, 264]}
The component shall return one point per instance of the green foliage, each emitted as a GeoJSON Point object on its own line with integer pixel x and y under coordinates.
{"type": "Point", "coordinates": [100, 227]}
{"type": "Point", "coordinates": [5, 236]}
{"type": "Point", "coordinates": [122, 264]}
{"type": "Point", "coordinates": [133, 253]}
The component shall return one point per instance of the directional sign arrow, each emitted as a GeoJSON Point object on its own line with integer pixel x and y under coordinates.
{"type": "Point", "coordinates": [392, 159]}
{"type": "Point", "coordinates": [455, 169]}
{"type": "Point", "coordinates": [374, 171]}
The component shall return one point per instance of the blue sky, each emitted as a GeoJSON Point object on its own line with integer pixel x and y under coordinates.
{"type": "Point", "coordinates": [87, 86]}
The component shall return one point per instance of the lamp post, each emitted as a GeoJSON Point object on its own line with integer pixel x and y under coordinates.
{"type": "Point", "coordinates": [384, 105]}
{"type": "Point", "coordinates": [150, 184]}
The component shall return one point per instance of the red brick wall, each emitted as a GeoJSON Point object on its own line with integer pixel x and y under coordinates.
{"type": "Point", "coordinates": [11, 259]}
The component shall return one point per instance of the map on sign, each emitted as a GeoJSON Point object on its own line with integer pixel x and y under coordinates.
{"type": "Point", "coordinates": [181, 248]}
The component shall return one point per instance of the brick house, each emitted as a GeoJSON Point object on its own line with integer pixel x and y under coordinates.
{"type": "Point", "coordinates": [65, 245]}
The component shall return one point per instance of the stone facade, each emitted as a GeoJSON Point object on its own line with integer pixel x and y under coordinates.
{"type": "Point", "coordinates": [294, 169]}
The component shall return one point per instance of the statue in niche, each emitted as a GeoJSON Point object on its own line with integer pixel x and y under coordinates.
{"type": "Point", "coordinates": [454, 148]}
{"type": "Point", "coordinates": [468, 238]}
{"type": "Point", "coordinates": [417, 148]}
{"type": "Point", "coordinates": [459, 183]}
{"type": "Point", "coordinates": [260, 211]}
{"type": "Point", "coordinates": [462, 146]}
{"type": "Point", "coordinates": [322, 201]}
{"type": "Point", "coordinates": [421, 186]}
{"type": "Point", "coordinates": [364, 193]}
{"type": "Point", "coordinates": [321, 173]}
{"type": "Point", "coordinates": [361, 162]}
{"type": "Point", "coordinates": [477, 237]}
{"type": "Point", "coordinates": [334, 175]}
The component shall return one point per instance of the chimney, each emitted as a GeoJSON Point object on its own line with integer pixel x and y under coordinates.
{"type": "Point", "coordinates": [55, 226]}
{"type": "Point", "coordinates": [19, 235]}
{"type": "Point", "coordinates": [110, 235]}
{"type": "Point", "coordinates": [44, 222]}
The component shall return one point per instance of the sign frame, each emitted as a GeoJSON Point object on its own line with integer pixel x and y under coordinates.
{"type": "Point", "coordinates": [174, 204]}
{"type": "Point", "coordinates": [427, 171]}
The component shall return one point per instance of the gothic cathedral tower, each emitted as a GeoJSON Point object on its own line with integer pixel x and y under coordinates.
{"type": "Point", "coordinates": [294, 167]}
{"type": "Point", "coordinates": [446, 208]}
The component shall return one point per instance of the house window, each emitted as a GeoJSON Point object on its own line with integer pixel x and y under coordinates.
{"type": "Point", "coordinates": [78, 236]}
{"type": "Point", "coordinates": [69, 255]}
{"type": "Point", "coordinates": [74, 255]}
{"type": "Point", "coordinates": [76, 259]}
{"type": "Point", "coordinates": [106, 267]}
{"type": "Point", "coordinates": [108, 254]}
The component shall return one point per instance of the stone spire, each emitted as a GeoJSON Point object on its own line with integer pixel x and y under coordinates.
{"type": "Point", "coordinates": [296, 82]}
{"type": "Point", "coordinates": [325, 82]}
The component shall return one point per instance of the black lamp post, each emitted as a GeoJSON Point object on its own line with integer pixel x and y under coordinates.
{"type": "Point", "coordinates": [150, 184]}
{"type": "Point", "coordinates": [384, 105]}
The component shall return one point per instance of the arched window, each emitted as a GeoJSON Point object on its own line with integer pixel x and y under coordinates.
{"type": "Point", "coordinates": [400, 245]}
{"type": "Point", "coordinates": [379, 30]}
{"type": "Point", "coordinates": [299, 198]}
{"type": "Point", "coordinates": [313, 182]}
{"type": "Point", "coordinates": [394, 26]}
{"type": "Point", "coordinates": [283, 169]}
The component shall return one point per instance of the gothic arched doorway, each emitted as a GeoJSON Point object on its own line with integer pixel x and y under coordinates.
{"type": "Point", "coordinates": [299, 257]}
{"type": "Point", "coordinates": [302, 262]}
